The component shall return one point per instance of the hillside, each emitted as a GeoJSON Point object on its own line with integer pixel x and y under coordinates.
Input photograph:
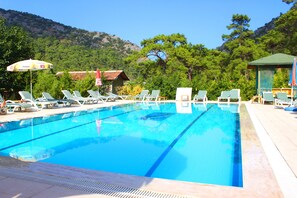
{"type": "Point", "coordinates": [265, 29]}
{"type": "Point", "coordinates": [40, 27]}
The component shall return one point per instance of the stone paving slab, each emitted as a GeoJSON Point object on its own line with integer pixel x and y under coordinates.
{"type": "Point", "coordinates": [276, 129]}
{"type": "Point", "coordinates": [22, 188]}
{"type": "Point", "coordinates": [281, 126]}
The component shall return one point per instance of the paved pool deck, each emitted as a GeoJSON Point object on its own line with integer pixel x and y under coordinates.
{"type": "Point", "coordinates": [269, 146]}
{"type": "Point", "coordinates": [277, 131]}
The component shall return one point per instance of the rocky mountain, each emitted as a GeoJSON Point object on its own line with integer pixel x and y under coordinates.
{"type": "Point", "coordinates": [40, 27]}
{"type": "Point", "coordinates": [264, 29]}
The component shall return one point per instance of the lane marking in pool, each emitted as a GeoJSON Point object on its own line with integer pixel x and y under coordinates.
{"type": "Point", "coordinates": [31, 140]}
{"type": "Point", "coordinates": [168, 149]}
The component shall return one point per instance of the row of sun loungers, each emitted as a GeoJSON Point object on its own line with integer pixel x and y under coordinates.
{"type": "Point", "coordinates": [13, 106]}
{"type": "Point", "coordinates": [281, 100]}
{"type": "Point", "coordinates": [232, 95]}
{"type": "Point", "coordinates": [201, 96]}
{"type": "Point", "coordinates": [47, 101]}
{"type": "Point", "coordinates": [144, 95]}
{"type": "Point", "coordinates": [29, 103]}
{"type": "Point", "coordinates": [226, 96]}
{"type": "Point", "coordinates": [97, 96]}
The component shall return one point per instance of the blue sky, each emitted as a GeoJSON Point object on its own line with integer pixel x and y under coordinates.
{"type": "Point", "coordinates": [201, 21]}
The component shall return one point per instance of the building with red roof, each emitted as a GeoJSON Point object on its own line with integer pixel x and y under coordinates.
{"type": "Point", "coordinates": [114, 78]}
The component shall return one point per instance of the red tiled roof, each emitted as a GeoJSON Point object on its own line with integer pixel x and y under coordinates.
{"type": "Point", "coordinates": [108, 75]}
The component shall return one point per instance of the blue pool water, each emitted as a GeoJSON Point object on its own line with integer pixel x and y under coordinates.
{"type": "Point", "coordinates": [179, 141]}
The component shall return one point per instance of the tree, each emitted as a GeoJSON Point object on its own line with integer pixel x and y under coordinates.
{"type": "Point", "coordinates": [239, 25]}
{"type": "Point", "coordinates": [281, 78]}
{"type": "Point", "coordinates": [192, 58]}
{"type": "Point", "coordinates": [166, 62]}
{"type": "Point", "coordinates": [161, 48]}
{"type": "Point", "coordinates": [47, 81]}
{"type": "Point", "coordinates": [209, 76]}
{"type": "Point", "coordinates": [15, 45]}
{"type": "Point", "coordinates": [283, 38]}
{"type": "Point", "coordinates": [67, 56]}
{"type": "Point", "coordinates": [241, 48]}
{"type": "Point", "coordinates": [85, 84]}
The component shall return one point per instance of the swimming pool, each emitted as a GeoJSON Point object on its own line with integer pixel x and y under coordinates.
{"type": "Point", "coordinates": [179, 141]}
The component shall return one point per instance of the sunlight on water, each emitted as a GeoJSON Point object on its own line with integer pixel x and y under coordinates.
{"type": "Point", "coordinates": [179, 141]}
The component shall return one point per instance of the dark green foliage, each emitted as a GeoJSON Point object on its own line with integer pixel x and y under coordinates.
{"type": "Point", "coordinates": [167, 84]}
{"type": "Point", "coordinates": [283, 38]}
{"type": "Point", "coordinates": [165, 62]}
{"type": "Point", "coordinates": [48, 82]}
{"type": "Point", "coordinates": [281, 78]}
{"type": "Point", "coordinates": [241, 49]}
{"type": "Point", "coordinates": [168, 62]}
{"type": "Point", "coordinates": [239, 25]}
{"type": "Point", "coordinates": [85, 84]}
{"type": "Point", "coordinates": [39, 27]}
{"type": "Point", "coordinates": [66, 56]}
{"type": "Point", "coordinates": [15, 45]}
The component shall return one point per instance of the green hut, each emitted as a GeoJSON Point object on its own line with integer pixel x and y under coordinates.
{"type": "Point", "coordinates": [265, 69]}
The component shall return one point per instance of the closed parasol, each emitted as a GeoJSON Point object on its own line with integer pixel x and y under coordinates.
{"type": "Point", "coordinates": [98, 78]}
{"type": "Point", "coordinates": [293, 77]}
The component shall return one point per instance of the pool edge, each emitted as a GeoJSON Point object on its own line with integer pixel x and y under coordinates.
{"type": "Point", "coordinates": [258, 178]}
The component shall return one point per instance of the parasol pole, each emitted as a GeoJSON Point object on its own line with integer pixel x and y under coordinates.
{"type": "Point", "coordinates": [292, 94]}
{"type": "Point", "coordinates": [293, 73]}
{"type": "Point", "coordinates": [31, 84]}
{"type": "Point", "coordinates": [97, 85]}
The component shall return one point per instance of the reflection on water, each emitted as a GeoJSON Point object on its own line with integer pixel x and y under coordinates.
{"type": "Point", "coordinates": [31, 154]}
{"type": "Point", "coordinates": [233, 108]}
{"type": "Point", "coordinates": [149, 105]}
{"type": "Point", "coordinates": [200, 106]}
{"type": "Point", "coordinates": [183, 107]}
{"type": "Point", "coordinates": [183, 141]}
